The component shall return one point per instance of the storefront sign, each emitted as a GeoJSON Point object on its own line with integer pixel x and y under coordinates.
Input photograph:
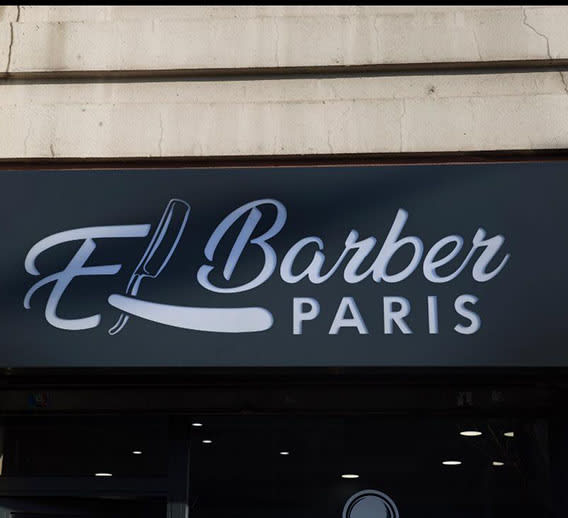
{"type": "Point", "coordinates": [449, 265]}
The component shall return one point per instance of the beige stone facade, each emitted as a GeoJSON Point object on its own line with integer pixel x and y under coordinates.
{"type": "Point", "coordinates": [189, 81]}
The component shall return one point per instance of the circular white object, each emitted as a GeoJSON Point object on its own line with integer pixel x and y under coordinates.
{"type": "Point", "coordinates": [370, 503]}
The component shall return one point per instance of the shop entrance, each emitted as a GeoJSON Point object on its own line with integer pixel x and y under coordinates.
{"type": "Point", "coordinates": [282, 466]}
{"type": "Point", "coordinates": [335, 447]}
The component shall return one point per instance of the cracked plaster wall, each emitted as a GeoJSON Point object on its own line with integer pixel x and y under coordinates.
{"type": "Point", "coordinates": [307, 114]}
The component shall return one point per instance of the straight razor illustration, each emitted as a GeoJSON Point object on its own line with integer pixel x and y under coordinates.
{"type": "Point", "coordinates": [156, 256]}
{"type": "Point", "coordinates": [214, 320]}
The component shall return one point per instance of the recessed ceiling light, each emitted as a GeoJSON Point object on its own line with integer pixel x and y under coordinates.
{"type": "Point", "coordinates": [284, 453]}
{"type": "Point", "coordinates": [137, 452]}
{"type": "Point", "coordinates": [471, 433]}
{"type": "Point", "coordinates": [103, 474]}
{"type": "Point", "coordinates": [509, 434]}
{"type": "Point", "coordinates": [349, 475]}
{"type": "Point", "coordinates": [196, 424]}
{"type": "Point", "coordinates": [451, 462]}
{"type": "Point", "coordinates": [207, 441]}
{"type": "Point", "coordinates": [498, 463]}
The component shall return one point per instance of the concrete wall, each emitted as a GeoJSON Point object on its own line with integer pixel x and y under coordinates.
{"type": "Point", "coordinates": [136, 81]}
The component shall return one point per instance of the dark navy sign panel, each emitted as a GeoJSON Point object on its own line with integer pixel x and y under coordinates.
{"type": "Point", "coordinates": [438, 265]}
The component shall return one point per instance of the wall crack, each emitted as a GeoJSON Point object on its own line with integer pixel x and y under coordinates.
{"type": "Point", "coordinates": [28, 133]}
{"type": "Point", "coordinates": [401, 123]}
{"type": "Point", "coordinates": [548, 52]}
{"type": "Point", "coordinates": [11, 44]}
{"type": "Point", "coordinates": [525, 22]}
{"type": "Point", "coordinates": [477, 44]}
{"type": "Point", "coordinates": [563, 79]}
{"type": "Point", "coordinates": [277, 42]}
{"type": "Point", "coordinates": [161, 135]}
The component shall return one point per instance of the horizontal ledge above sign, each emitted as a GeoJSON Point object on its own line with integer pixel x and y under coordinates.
{"type": "Point", "coordinates": [318, 71]}
{"type": "Point", "coordinates": [279, 37]}
{"type": "Point", "coordinates": [542, 155]}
